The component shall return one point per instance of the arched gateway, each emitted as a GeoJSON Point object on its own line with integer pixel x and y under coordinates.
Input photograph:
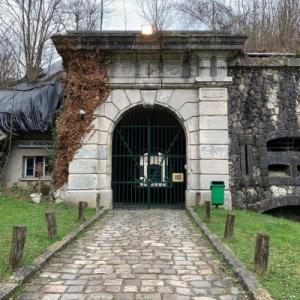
{"type": "Point", "coordinates": [161, 136]}
{"type": "Point", "coordinates": [148, 159]}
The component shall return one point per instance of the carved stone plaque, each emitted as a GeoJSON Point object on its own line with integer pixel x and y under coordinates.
{"type": "Point", "coordinates": [206, 94]}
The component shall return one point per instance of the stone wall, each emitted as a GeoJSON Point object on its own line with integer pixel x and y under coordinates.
{"type": "Point", "coordinates": [264, 104]}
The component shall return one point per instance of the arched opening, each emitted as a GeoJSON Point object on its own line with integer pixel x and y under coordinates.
{"type": "Point", "coordinates": [286, 212]}
{"type": "Point", "coordinates": [148, 159]}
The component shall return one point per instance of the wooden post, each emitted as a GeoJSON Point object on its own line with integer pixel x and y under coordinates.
{"type": "Point", "coordinates": [81, 206]}
{"type": "Point", "coordinates": [207, 211]}
{"type": "Point", "coordinates": [17, 245]}
{"type": "Point", "coordinates": [261, 253]}
{"type": "Point", "coordinates": [98, 201]}
{"type": "Point", "coordinates": [51, 221]}
{"type": "Point", "coordinates": [229, 227]}
{"type": "Point", "coordinates": [198, 199]}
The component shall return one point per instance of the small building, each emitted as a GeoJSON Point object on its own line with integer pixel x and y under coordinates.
{"type": "Point", "coordinates": [26, 119]}
{"type": "Point", "coordinates": [184, 109]}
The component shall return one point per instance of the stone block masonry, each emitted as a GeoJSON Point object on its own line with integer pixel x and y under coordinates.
{"type": "Point", "coordinates": [230, 106]}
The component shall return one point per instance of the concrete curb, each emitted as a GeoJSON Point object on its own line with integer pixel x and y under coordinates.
{"type": "Point", "coordinates": [25, 273]}
{"type": "Point", "coordinates": [247, 279]}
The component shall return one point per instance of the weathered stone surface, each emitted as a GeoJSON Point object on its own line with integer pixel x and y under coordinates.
{"type": "Point", "coordinates": [213, 122]}
{"type": "Point", "coordinates": [83, 166]}
{"type": "Point", "coordinates": [103, 137]}
{"type": "Point", "coordinates": [103, 123]}
{"type": "Point", "coordinates": [75, 196]}
{"type": "Point", "coordinates": [163, 96]}
{"type": "Point", "coordinates": [134, 96]}
{"type": "Point", "coordinates": [119, 99]}
{"type": "Point", "coordinates": [181, 96]}
{"type": "Point", "coordinates": [213, 137]}
{"type": "Point", "coordinates": [91, 137]}
{"type": "Point", "coordinates": [214, 166]}
{"type": "Point", "coordinates": [111, 111]}
{"type": "Point", "coordinates": [211, 93]}
{"type": "Point", "coordinates": [263, 105]}
{"type": "Point", "coordinates": [213, 151]}
{"type": "Point", "coordinates": [148, 97]}
{"type": "Point", "coordinates": [193, 124]}
{"type": "Point", "coordinates": [194, 138]}
{"type": "Point", "coordinates": [189, 110]}
{"type": "Point", "coordinates": [82, 181]}
{"type": "Point", "coordinates": [213, 108]}
{"type": "Point", "coordinates": [88, 151]}
{"type": "Point", "coordinates": [194, 181]}
{"type": "Point", "coordinates": [138, 242]}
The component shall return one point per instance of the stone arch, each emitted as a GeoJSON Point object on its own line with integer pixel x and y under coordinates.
{"type": "Point", "coordinates": [97, 145]}
{"type": "Point", "coordinates": [135, 115]}
{"type": "Point", "coordinates": [269, 204]}
{"type": "Point", "coordinates": [186, 115]}
{"type": "Point", "coordinates": [281, 134]}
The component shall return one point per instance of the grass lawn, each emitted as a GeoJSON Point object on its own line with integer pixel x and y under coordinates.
{"type": "Point", "coordinates": [16, 209]}
{"type": "Point", "coordinates": [283, 277]}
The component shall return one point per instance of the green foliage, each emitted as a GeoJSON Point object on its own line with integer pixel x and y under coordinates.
{"type": "Point", "coordinates": [19, 210]}
{"type": "Point", "coordinates": [283, 277]}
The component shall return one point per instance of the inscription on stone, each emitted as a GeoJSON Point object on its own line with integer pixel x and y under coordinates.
{"type": "Point", "coordinates": [213, 93]}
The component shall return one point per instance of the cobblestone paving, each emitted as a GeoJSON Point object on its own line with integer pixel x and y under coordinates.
{"type": "Point", "coordinates": [136, 254]}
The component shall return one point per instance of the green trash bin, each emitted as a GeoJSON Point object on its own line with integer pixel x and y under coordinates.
{"type": "Point", "coordinates": [217, 192]}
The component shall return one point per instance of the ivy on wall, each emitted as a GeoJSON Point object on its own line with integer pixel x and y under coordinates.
{"type": "Point", "coordinates": [85, 88]}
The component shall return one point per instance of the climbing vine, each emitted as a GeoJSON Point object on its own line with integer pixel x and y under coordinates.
{"type": "Point", "coordinates": [85, 88]}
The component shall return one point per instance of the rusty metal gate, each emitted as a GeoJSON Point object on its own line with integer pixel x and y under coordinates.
{"type": "Point", "coordinates": [148, 160]}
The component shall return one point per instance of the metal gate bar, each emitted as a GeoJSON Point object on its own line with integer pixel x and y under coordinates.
{"type": "Point", "coordinates": [148, 147]}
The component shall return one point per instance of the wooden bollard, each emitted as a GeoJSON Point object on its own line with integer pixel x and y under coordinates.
{"type": "Point", "coordinates": [198, 199]}
{"type": "Point", "coordinates": [81, 206]}
{"type": "Point", "coordinates": [229, 226]}
{"type": "Point", "coordinates": [207, 211]}
{"type": "Point", "coordinates": [17, 245]}
{"type": "Point", "coordinates": [261, 253]}
{"type": "Point", "coordinates": [98, 202]}
{"type": "Point", "coordinates": [51, 221]}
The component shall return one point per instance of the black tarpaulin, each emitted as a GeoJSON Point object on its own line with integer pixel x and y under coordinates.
{"type": "Point", "coordinates": [31, 106]}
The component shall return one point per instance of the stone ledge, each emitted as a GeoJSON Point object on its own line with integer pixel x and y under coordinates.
{"type": "Point", "coordinates": [247, 279]}
{"type": "Point", "coordinates": [23, 274]}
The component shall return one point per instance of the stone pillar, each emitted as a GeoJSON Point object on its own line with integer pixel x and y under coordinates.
{"type": "Point", "coordinates": [213, 131]}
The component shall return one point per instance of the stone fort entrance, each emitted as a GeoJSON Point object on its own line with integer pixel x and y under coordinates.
{"type": "Point", "coordinates": [148, 159]}
{"type": "Point", "coordinates": [161, 136]}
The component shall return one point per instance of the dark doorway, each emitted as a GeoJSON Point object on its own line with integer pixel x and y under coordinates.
{"type": "Point", "coordinates": [148, 160]}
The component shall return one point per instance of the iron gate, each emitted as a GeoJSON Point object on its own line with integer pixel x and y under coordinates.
{"type": "Point", "coordinates": [148, 154]}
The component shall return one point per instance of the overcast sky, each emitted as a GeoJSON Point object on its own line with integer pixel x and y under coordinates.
{"type": "Point", "coordinates": [124, 16]}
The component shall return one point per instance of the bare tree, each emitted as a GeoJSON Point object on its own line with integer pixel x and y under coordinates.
{"type": "Point", "coordinates": [9, 69]}
{"type": "Point", "coordinates": [27, 25]}
{"type": "Point", "coordinates": [271, 25]}
{"type": "Point", "coordinates": [86, 14]}
{"type": "Point", "coordinates": [208, 14]}
{"type": "Point", "coordinates": [157, 13]}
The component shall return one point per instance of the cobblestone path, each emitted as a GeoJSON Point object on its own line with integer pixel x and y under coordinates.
{"type": "Point", "coordinates": [136, 254]}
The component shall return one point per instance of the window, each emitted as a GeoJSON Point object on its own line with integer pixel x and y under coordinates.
{"type": "Point", "coordinates": [278, 170]}
{"type": "Point", "coordinates": [284, 144]}
{"type": "Point", "coordinates": [298, 170]}
{"type": "Point", "coordinates": [155, 173]}
{"type": "Point", "coordinates": [246, 159]}
{"type": "Point", "coordinates": [33, 164]}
